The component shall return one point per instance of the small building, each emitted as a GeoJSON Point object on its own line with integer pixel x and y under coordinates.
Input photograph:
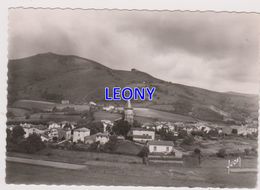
{"type": "Point", "coordinates": [92, 103]}
{"type": "Point", "coordinates": [241, 129]}
{"type": "Point", "coordinates": [109, 108]}
{"type": "Point", "coordinates": [148, 125]}
{"type": "Point", "coordinates": [65, 102]}
{"type": "Point", "coordinates": [57, 134]}
{"type": "Point", "coordinates": [54, 125]}
{"type": "Point", "coordinates": [107, 125]}
{"type": "Point", "coordinates": [31, 130]}
{"type": "Point", "coordinates": [102, 138]}
{"type": "Point", "coordinates": [251, 130]}
{"type": "Point", "coordinates": [141, 135]}
{"type": "Point", "coordinates": [80, 134]}
{"type": "Point", "coordinates": [161, 147]}
{"type": "Point", "coordinates": [227, 130]}
{"type": "Point", "coordinates": [44, 138]}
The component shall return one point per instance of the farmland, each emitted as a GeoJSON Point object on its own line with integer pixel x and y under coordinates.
{"type": "Point", "coordinates": [160, 115]}
{"type": "Point", "coordinates": [46, 106]}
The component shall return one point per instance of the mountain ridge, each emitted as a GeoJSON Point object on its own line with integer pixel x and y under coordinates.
{"type": "Point", "coordinates": [50, 76]}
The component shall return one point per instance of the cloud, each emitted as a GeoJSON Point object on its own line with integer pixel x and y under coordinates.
{"type": "Point", "coordinates": [218, 51]}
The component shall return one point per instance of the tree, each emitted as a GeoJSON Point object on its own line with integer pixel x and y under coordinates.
{"type": "Point", "coordinates": [111, 144]}
{"type": "Point", "coordinates": [136, 124]}
{"type": "Point", "coordinates": [188, 140]}
{"type": "Point", "coordinates": [197, 153]}
{"type": "Point", "coordinates": [17, 133]}
{"type": "Point", "coordinates": [234, 131]}
{"type": "Point", "coordinates": [121, 127]}
{"type": "Point", "coordinates": [8, 136]}
{"type": "Point", "coordinates": [27, 116]}
{"type": "Point", "coordinates": [182, 134]}
{"type": "Point", "coordinates": [34, 143]}
{"type": "Point", "coordinates": [221, 153]}
{"type": "Point", "coordinates": [213, 133]}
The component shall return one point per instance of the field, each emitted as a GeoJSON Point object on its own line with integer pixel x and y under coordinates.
{"type": "Point", "coordinates": [145, 115]}
{"type": "Point", "coordinates": [105, 169]}
{"type": "Point", "coordinates": [232, 144]}
{"type": "Point", "coordinates": [160, 115]}
{"type": "Point", "coordinates": [100, 115]}
{"type": "Point", "coordinates": [46, 106]}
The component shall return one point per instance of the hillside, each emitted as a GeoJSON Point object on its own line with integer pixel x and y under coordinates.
{"type": "Point", "coordinates": [52, 77]}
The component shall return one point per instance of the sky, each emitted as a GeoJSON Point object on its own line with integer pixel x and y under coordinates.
{"type": "Point", "coordinates": [215, 51]}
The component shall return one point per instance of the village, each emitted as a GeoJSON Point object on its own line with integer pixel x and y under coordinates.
{"type": "Point", "coordinates": [161, 138]}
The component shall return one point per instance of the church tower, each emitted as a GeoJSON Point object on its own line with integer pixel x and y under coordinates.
{"type": "Point", "coordinates": [129, 113]}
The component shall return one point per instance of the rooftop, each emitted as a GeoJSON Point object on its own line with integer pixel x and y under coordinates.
{"type": "Point", "coordinates": [83, 129]}
{"type": "Point", "coordinates": [162, 143]}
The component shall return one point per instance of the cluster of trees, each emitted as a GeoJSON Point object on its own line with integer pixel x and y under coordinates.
{"type": "Point", "coordinates": [16, 141]}
{"type": "Point", "coordinates": [122, 127]}
{"type": "Point", "coordinates": [51, 96]}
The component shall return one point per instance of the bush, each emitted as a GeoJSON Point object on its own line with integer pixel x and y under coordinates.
{"type": "Point", "coordinates": [189, 140]}
{"type": "Point", "coordinates": [222, 153]}
{"type": "Point", "coordinates": [197, 151]}
{"type": "Point", "coordinates": [247, 151]}
{"type": "Point", "coordinates": [33, 143]}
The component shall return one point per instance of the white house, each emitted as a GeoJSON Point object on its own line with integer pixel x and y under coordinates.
{"type": "Point", "coordinates": [54, 125]}
{"type": "Point", "coordinates": [68, 135]}
{"type": "Point", "coordinates": [141, 135]}
{"type": "Point", "coordinates": [165, 147]}
{"type": "Point", "coordinates": [80, 133]}
{"type": "Point", "coordinates": [65, 102]}
{"type": "Point", "coordinates": [251, 130]}
{"type": "Point", "coordinates": [92, 103]}
{"type": "Point", "coordinates": [109, 108]}
{"type": "Point", "coordinates": [241, 129]}
{"type": "Point", "coordinates": [107, 124]}
{"type": "Point", "coordinates": [102, 138]}
{"type": "Point", "coordinates": [44, 138]}
{"type": "Point", "coordinates": [32, 130]}
{"type": "Point", "coordinates": [148, 125]}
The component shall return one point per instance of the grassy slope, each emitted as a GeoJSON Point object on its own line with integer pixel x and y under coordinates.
{"type": "Point", "coordinates": [81, 80]}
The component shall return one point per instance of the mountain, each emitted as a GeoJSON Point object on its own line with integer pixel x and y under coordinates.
{"type": "Point", "coordinates": [54, 77]}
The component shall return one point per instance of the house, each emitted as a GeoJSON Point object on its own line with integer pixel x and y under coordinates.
{"type": "Point", "coordinates": [44, 138]}
{"type": "Point", "coordinates": [65, 102]}
{"type": "Point", "coordinates": [92, 103]}
{"type": "Point", "coordinates": [227, 130]}
{"type": "Point", "coordinates": [141, 135]}
{"type": "Point", "coordinates": [54, 125]}
{"type": "Point", "coordinates": [68, 134]}
{"type": "Point", "coordinates": [102, 138]}
{"type": "Point", "coordinates": [107, 125]}
{"type": "Point", "coordinates": [162, 147]}
{"type": "Point", "coordinates": [80, 134]}
{"type": "Point", "coordinates": [241, 129]}
{"type": "Point", "coordinates": [109, 108]}
{"type": "Point", "coordinates": [66, 124]}
{"type": "Point", "coordinates": [57, 134]}
{"type": "Point", "coordinates": [251, 130]}
{"type": "Point", "coordinates": [148, 125]}
{"type": "Point", "coordinates": [31, 130]}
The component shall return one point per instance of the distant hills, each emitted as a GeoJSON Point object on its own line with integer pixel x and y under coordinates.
{"type": "Point", "coordinates": [53, 77]}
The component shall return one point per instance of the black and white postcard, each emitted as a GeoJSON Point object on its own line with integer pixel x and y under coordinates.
{"type": "Point", "coordinates": [132, 98]}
